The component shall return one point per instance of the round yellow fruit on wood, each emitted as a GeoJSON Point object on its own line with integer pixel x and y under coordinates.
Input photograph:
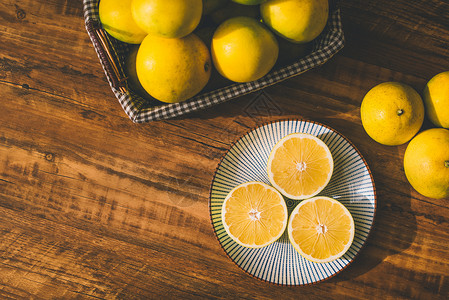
{"type": "Point", "coordinates": [392, 113]}
{"type": "Point", "coordinates": [436, 99]}
{"type": "Point", "coordinates": [426, 163]}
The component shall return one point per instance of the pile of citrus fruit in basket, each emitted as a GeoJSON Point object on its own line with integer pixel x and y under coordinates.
{"type": "Point", "coordinates": [299, 167]}
{"type": "Point", "coordinates": [181, 42]}
{"type": "Point", "coordinates": [393, 113]}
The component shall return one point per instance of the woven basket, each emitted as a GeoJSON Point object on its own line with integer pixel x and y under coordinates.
{"type": "Point", "coordinates": [112, 53]}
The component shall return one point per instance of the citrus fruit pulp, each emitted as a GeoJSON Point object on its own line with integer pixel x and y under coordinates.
{"type": "Point", "coordinates": [321, 229]}
{"type": "Point", "coordinates": [300, 165]}
{"type": "Point", "coordinates": [254, 214]}
{"type": "Point", "coordinates": [426, 163]}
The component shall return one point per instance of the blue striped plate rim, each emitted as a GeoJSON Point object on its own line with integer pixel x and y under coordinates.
{"type": "Point", "coordinates": [351, 183]}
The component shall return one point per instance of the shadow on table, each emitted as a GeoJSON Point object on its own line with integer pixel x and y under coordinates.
{"type": "Point", "coordinates": [265, 105]}
{"type": "Point", "coordinates": [254, 105]}
{"type": "Point", "coordinates": [394, 228]}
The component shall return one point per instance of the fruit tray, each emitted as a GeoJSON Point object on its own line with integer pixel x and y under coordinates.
{"type": "Point", "coordinates": [112, 54]}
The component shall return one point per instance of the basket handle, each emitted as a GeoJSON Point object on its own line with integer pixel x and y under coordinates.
{"type": "Point", "coordinates": [99, 39]}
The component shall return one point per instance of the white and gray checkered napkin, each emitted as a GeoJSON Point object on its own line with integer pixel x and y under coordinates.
{"type": "Point", "coordinates": [141, 110]}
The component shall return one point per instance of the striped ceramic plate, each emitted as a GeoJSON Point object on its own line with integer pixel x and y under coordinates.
{"type": "Point", "coordinates": [351, 183]}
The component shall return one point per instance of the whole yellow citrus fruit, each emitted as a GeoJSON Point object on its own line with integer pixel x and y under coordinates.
{"type": "Point", "coordinates": [167, 18]}
{"type": "Point", "coordinates": [426, 163]}
{"type": "Point", "coordinates": [173, 70]}
{"type": "Point", "coordinates": [299, 21]}
{"type": "Point", "coordinates": [436, 99]}
{"type": "Point", "coordinates": [117, 20]}
{"type": "Point", "coordinates": [243, 49]}
{"type": "Point", "coordinates": [392, 113]}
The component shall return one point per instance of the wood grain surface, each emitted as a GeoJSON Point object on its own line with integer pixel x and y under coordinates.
{"type": "Point", "coordinates": [94, 206]}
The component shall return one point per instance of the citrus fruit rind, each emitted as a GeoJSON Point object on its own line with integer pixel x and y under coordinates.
{"type": "Point", "coordinates": [392, 113]}
{"type": "Point", "coordinates": [321, 229]}
{"type": "Point", "coordinates": [169, 19]}
{"type": "Point", "coordinates": [254, 214]}
{"type": "Point", "coordinates": [243, 49]}
{"type": "Point", "coordinates": [173, 70]}
{"type": "Point", "coordinates": [116, 18]}
{"type": "Point", "coordinates": [436, 99]}
{"type": "Point", "coordinates": [300, 166]}
{"type": "Point", "coordinates": [426, 163]}
{"type": "Point", "coordinates": [298, 21]}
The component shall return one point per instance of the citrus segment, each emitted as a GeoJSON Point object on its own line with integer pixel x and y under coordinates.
{"type": "Point", "coordinates": [321, 229]}
{"type": "Point", "coordinates": [254, 214]}
{"type": "Point", "coordinates": [300, 166]}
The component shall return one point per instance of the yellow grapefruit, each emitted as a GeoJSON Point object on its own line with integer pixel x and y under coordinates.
{"type": "Point", "coordinates": [300, 165]}
{"type": "Point", "coordinates": [243, 49]}
{"type": "Point", "coordinates": [321, 229]}
{"type": "Point", "coordinates": [173, 70]}
{"type": "Point", "coordinates": [254, 214]}
{"type": "Point", "coordinates": [426, 163]}
{"type": "Point", "coordinates": [392, 113]}
{"type": "Point", "coordinates": [117, 20]}
{"type": "Point", "coordinates": [167, 18]}
{"type": "Point", "coordinates": [299, 21]}
{"type": "Point", "coordinates": [436, 99]}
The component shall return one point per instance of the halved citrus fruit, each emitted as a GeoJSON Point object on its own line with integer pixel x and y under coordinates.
{"type": "Point", "coordinates": [254, 214]}
{"type": "Point", "coordinates": [321, 229]}
{"type": "Point", "coordinates": [300, 166]}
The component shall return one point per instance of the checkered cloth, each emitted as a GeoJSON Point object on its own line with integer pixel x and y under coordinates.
{"type": "Point", "coordinates": [142, 110]}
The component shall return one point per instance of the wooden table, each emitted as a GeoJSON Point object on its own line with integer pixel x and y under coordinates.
{"type": "Point", "coordinates": [94, 206]}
